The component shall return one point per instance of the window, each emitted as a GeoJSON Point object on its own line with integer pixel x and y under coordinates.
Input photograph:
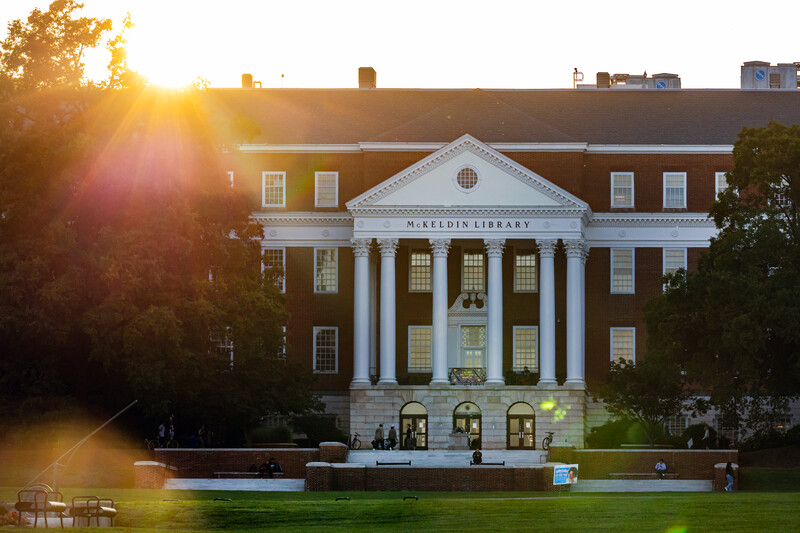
{"type": "Point", "coordinates": [230, 177]}
{"type": "Point", "coordinates": [420, 277]}
{"type": "Point", "coordinates": [282, 350]}
{"type": "Point", "coordinates": [222, 344]}
{"type": "Point", "coordinates": [676, 425]}
{"type": "Point", "coordinates": [525, 348]}
{"type": "Point", "coordinates": [524, 271]}
{"type": "Point", "coordinates": [467, 179]}
{"type": "Point", "coordinates": [675, 189]}
{"type": "Point", "coordinates": [781, 198]}
{"type": "Point", "coordinates": [419, 348]}
{"type": "Point", "coordinates": [622, 270]}
{"type": "Point", "coordinates": [783, 423]}
{"type": "Point", "coordinates": [275, 259]}
{"type": "Point", "coordinates": [472, 275]}
{"type": "Point", "coordinates": [326, 350]}
{"type": "Point", "coordinates": [326, 189]}
{"type": "Point", "coordinates": [674, 258]}
{"type": "Point", "coordinates": [623, 344]}
{"type": "Point", "coordinates": [622, 189]}
{"type": "Point", "coordinates": [325, 269]}
{"type": "Point", "coordinates": [273, 185]}
{"type": "Point", "coordinates": [720, 183]}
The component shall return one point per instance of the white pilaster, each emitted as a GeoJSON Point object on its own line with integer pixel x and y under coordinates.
{"type": "Point", "coordinates": [547, 313]}
{"type": "Point", "coordinates": [440, 247]}
{"type": "Point", "coordinates": [494, 331]}
{"type": "Point", "coordinates": [575, 298]}
{"type": "Point", "coordinates": [388, 323]}
{"type": "Point", "coordinates": [361, 311]}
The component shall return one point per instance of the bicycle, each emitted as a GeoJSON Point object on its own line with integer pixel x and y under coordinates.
{"type": "Point", "coordinates": [353, 443]}
{"type": "Point", "coordinates": [547, 440]}
{"type": "Point", "coordinates": [152, 444]}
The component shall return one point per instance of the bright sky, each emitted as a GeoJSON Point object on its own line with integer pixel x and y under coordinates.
{"type": "Point", "coordinates": [432, 43]}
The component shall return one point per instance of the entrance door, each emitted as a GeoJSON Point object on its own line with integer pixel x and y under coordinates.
{"type": "Point", "coordinates": [521, 427]}
{"type": "Point", "coordinates": [473, 346]}
{"type": "Point", "coordinates": [467, 419]}
{"type": "Point", "coordinates": [415, 416]}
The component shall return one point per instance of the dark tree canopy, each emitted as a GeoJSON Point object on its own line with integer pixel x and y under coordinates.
{"type": "Point", "coordinates": [733, 324]}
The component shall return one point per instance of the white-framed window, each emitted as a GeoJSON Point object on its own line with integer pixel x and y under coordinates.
{"type": "Point", "coordinates": [674, 259]}
{"type": "Point", "coordinates": [675, 189]}
{"type": "Point", "coordinates": [275, 258]}
{"type": "Point", "coordinates": [223, 344]}
{"type": "Point", "coordinates": [526, 352]}
{"type": "Point", "coordinates": [325, 270]}
{"type": "Point", "coordinates": [720, 183]}
{"type": "Point", "coordinates": [622, 271]}
{"type": "Point", "coordinates": [623, 344]}
{"type": "Point", "coordinates": [781, 198]}
{"type": "Point", "coordinates": [420, 273]}
{"type": "Point", "coordinates": [230, 177]}
{"type": "Point", "coordinates": [473, 271]}
{"type": "Point", "coordinates": [467, 179]}
{"type": "Point", "coordinates": [326, 350]}
{"type": "Point", "coordinates": [419, 348]}
{"type": "Point", "coordinates": [676, 424]}
{"type": "Point", "coordinates": [282, 350]}
{"type": "Point", "coordinates": [273, 189]}
{"type": "Point", "coordinates": [525, 270]}
{"type": "Point", "coordinates": [326, 189]}
{"type": "Point", "coordinates": [622, 189]}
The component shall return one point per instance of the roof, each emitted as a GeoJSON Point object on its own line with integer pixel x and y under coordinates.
{"type": "Point", "coordinates": [349, 116]}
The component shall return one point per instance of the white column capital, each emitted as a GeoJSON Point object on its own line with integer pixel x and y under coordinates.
{"type": "Point", "coordinates": [388, 247]}
{"type": "Point", "coordinates": [440, 247]}
{"type": "Point", "coordinates": [575, 247]}
{"type": "Point", "coordinates": [585, 254]}
{"type": "Point", "coordinates": [494, 247]}
{"type": "Point", "coordinates": [361, 247]}
{"type": "Point", "coordinates": [547, 247]}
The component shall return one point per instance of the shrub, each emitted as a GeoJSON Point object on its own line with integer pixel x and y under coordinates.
{"type": "Point", "coordinates": [319, 428]}
{"type": "Point", "coordinates": [764, 440]}
{"type": "Point", "coordinates": [616, 432]}
{"type": "Point", "coordinates": [269, 435]}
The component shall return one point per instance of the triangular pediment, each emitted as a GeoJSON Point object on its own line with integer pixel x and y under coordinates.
{"type": "Point", "coordinates": [501, 183]}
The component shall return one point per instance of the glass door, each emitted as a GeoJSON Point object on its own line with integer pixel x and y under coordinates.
{"type": "Point", "coordinates": [521, 424]}
{"type": "Point", "coordinates": [467, 419]}
{"type": "Point", "coordinates": [413, 427]}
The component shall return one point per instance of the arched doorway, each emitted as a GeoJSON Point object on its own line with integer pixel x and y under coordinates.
{"type": "Point", "coordinates": [415, 415]}
{"type": "Point", "coordinates": [521, 424]}
{"type": "Point", "coordinates": [467, 419]}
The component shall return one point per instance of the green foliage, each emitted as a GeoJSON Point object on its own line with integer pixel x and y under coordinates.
{"type": "Point", "coordinates": [276, 434]}
{"type": "Point", "coordinates": [732, 324]}
{"type": "Point", "coordinates": [614, 433]}
{"type": "Point", "coordinates": [47, 49]}
{"type": "Point", "coordinates": [318, 428]}
{"type": "Point", "coordinates": [648, 392]}
{"type": "Point", "coordinates": [695, 432]}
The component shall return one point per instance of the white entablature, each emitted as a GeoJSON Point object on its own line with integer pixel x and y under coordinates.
{"type": "Point", "coordinates": [499, 198]}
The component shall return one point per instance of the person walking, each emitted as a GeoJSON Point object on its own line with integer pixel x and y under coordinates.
{"type": "Point", "coordinates": [409, 442]}
{"type": "Point", "coordinates": [377, 444]}
{"type": "Point", "coordinates": [729, 477]}
{"type": "Point", "coordinates": [392, 438]}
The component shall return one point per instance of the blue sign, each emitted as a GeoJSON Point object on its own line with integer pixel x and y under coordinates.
{"type": "Point", "coordinates": [565, 475]}
{"type": "Point", "coordinates": [661, 84]}
{"type": "Point", "coordinates": [760, 74]}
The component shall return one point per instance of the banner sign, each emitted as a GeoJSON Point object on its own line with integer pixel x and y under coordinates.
{"type": "Point", "coordinates": [565, 475]}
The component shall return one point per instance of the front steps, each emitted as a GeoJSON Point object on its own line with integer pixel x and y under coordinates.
{"type": "Point", "coordinates": [267, 485]}
{"type": "Point", "coordinates": [446, 458]}
{"type": "Point", "coordinates": [641, 485]}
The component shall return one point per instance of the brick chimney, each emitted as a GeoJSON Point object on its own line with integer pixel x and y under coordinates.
{"type": "Point", "coordinates": [367, 78]}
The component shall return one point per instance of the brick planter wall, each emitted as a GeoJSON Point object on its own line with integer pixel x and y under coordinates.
{"type": "Point", "coordinates": [203, 462]}
{"type": "Point", "coordinates": [319, 477]}
{"type": "Point", "coordinates": [332, 452]}
{"type": "Point", "coordinates": [151, 474]}
{"type": "Point", "coordinates": [688, 464]}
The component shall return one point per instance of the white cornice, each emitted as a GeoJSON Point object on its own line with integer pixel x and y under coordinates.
{"type": "Point", "coordinates": [298, 148]}
{"type": "Point", "coordinates": [303, 219]}
{"type": "Point", "coordinates": [557, 212]}
{"type": "Point", "coordinates": [660, 148]}
{"type": "Point", "coordinates": [652, 219]}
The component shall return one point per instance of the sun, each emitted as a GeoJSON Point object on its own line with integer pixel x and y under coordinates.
{"type": "Point", "coordinates": [165, 62]}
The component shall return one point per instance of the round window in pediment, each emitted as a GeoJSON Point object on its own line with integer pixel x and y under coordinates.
{"type": "Point", "coordinates": [467, 179]}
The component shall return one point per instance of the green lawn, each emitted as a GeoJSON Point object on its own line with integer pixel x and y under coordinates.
{"type": "Point", "coordinates": [386, 511]}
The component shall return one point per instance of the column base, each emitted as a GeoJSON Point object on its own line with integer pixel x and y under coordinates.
{"type": "Point", "coordinates": [360, 383]}
{"type": "Point", "coordinates": [575, 384]}
{"type": "Point", "coordinates": [440, 381]}
{"type": "Point", "coordinates": [546, 383]}
{"type": "Point", "coordinates": [495, 381]}
{"type": "Point", "coordinates": [387, 382]}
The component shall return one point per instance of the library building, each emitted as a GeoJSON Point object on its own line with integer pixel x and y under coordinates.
{"type": "Point", "coordinates": [469, 261]}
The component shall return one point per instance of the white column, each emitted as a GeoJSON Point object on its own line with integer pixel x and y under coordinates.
{"type": "Point", "coordinates": [388, 324]}
{"type": "Point", "coordinates": [584, 257]}
{"type": "Point", "coordinates": [440, 247]}
{"type": "Point", "coordinates": [494, 331]}
{"type": "Point", "coordinates": [361, 308]}
{"type": "Point", "coordinates": [547, 313]}
{"type": "Point", "coordinates": [575, 297]}
{"type": "Point", "coordinates": [373, 316]}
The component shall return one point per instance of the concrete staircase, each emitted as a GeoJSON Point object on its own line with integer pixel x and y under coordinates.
{"type": "Point", "coordinates": [447, 458]}
{"type": "Point", "coordinates": [268, 485]}
{"type": "Point", "coordinates": [641, 485]}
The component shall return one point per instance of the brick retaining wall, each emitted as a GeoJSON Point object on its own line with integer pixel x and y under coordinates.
{"type": "Point", "coordinates": [203, 462]}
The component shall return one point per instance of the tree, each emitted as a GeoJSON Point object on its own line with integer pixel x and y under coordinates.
{"type": "Point", "coordinates": [732, 324]}
{"type": "Point", "coordinates": [128, 265]}
{"type": "Point", "coordinates": [648, 392]}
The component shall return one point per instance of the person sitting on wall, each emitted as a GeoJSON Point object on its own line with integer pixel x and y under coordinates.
{"type": "Point", "coordinates": [477, 457]}
{"type": "Point", "coordinates": [660, 468]}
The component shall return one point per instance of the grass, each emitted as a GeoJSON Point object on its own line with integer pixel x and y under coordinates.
{"type": "Point", "coordinates": [386, 511]}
